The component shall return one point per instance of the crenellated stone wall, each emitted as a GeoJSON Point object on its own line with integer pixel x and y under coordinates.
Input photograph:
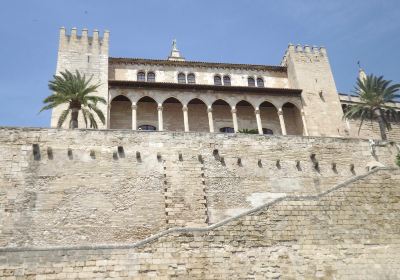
{"type": "Point", "coordinates": [87, 187]}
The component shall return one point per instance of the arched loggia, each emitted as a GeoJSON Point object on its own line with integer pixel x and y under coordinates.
{"type": "Point", "coordinates": [222, 115]}
{"type": "Point", "coordinates": [197, 112]}
{"type": "Point", "coordinates": [147, 113]}
{"type": "Point", "coordinates": [173, 115]}
{"type": "Point", "coordinates": [121, 113]}
{"type": "Point", "coordinates": [245, 116]}
{"type": "Point", "coordinates": [270, 119]}
{"type": "Point", "coordinates": [293, 120]}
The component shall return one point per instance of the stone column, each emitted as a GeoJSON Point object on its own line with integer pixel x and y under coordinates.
{"type": "Point", "coordinates": [234, 118]}
{"type": "Point", "coordinates": [185, 118]}
{"type": "Point", "coordinates": [210, 119]}
{"type": "Point", "coordinates": [160, 117]}
{"type": "Point", "coordinates": [282, 121]}
{"type": "Point", "coordinates": [258, 119]}
{"type": "Point", "coordinates": [134, 108]}
{"type": "Point", "coordinates": [303, 118]}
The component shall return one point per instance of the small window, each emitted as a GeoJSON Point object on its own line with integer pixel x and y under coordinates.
{"type": "Point", "coordinates": [227, 80]}
{"type": "Point", "coordinates": [227, 130]}
{"type": "Point", "coordinates": [147, 127]}
{"type": "Point", "coordinates": [151, 77]}
{"type": "Point", "coordinates": [217, 80]}
{"type": "Point", "coordinates": [141, 76]}
{"type": "Point", "coordinates": [251, 82]}
{"type": "Point", "coordinates": [268, 131]}
{"type": "Point", "coordinates": [181, 78]}
{"type": "Point", "coordinates": [191, 78]}
{"type": "Point", "coordinates": [260, 82]}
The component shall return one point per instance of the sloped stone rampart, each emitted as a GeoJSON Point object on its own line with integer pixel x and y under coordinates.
{"type": "Point", "coordinates": [350, 231]}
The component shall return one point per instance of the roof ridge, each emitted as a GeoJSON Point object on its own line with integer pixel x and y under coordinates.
{"type": "Point", "coordinates": [200, 63]}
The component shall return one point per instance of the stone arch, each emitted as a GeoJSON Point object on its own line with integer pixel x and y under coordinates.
{"type": "Point", "coordinates": [197, 115]}
{"type": "Point", "coordinates": [245, 115]}
{"type": "Point", "coordinates": [221, 114]}
{"type": "Point", "coordinates": [270, 101]}
{"type": "Point", "coordinates": [172, 114]}
{"type": "Point", "coordinates": [161, 100]}
{"type": "Point", "coordinates": [114, 93]}
{"type": "Point", "coordinates": [186, 101]}
{"type": "Point", "coordinates": [270, 118]}
{"type": "Point", "coordinates": [121, 113]}
{"type": "Point", "coordinates": [293, 120]}
{"type": "Point", "coordinates": [146, 112]}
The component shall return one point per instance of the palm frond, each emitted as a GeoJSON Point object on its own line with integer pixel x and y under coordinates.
{"type": "Point", "coordinates": [85, 116]}
{"type": "Point", "coordinates": [49, 106]}
{"type": "Point", "coordinates": [374, 93]}
{"type": "Point", "coordinates": [93, 123]}
{"type": "Point", "coordinates": [74, 89]}
{"type": "Point", "coordinates": [62, 118]}
{"type": "Point", "coordinates": [98, 112]}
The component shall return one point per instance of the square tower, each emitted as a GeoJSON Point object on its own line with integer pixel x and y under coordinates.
{"type": "Point", "coordinates": [308, 69]}
{"type": "Point", "coordinates": [88, 55]}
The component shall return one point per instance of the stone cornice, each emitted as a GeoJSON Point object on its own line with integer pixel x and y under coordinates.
{"type": "Point", "coordinates": [123, 60]}
{"type": "Point", "coordinates": [231, 89]}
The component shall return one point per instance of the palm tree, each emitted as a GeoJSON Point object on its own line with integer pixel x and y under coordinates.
{"type": "Point", "coordinates": [74, 90]}
{"type": "Point", "coordinates": [374, 93]}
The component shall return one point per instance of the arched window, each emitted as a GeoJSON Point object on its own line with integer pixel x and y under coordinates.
{"type": "Point", "coordinates": [217, 80]}
{"type": "Point", "coordinates": [147, 127]}
{"type": "Point", "coordinates": [141, 76]}
{"type": "Point", "coordinates": [268, 131]}
{"type": "Point", "coordinates": [227, 80]}
{"type": "Point", "coordinates": [151, 77]}
{"type": "Point", "coordinates": [181, 78]}
{"type": "Point", "coordinates": [227, 130]}
{"type": "Point", "coordinates": [251, 82]}
{"type": "Point", "coordinates": [260, 82]}
{"type": "Point", "coordinates": [191, 78]}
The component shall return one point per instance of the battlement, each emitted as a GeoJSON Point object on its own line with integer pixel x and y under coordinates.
{"type": "Point", "coordinates": [73, 40]}
{"type": "Point", "coordinates": [86, 53]}
{"type": "Point", "coordinates": [303, 49]}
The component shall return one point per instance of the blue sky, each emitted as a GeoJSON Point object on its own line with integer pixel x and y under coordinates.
{"type": "Point", "coordinates": [240, 31]}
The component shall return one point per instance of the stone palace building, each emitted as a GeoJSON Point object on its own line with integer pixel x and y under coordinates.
{"type": "Point", "coordinates": [167, 188]}
{"type": "Point", "coordinates": [298, 97]}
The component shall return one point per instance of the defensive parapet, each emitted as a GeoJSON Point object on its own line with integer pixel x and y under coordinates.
{"type": "Point", "coordinates": [315, 50]}
{"type": "Point", "coordinates": [309, 69]}
{"type": "Point", "coordinates": [90, 44]}
{"type": "Point", "coordinates": [88, 55]}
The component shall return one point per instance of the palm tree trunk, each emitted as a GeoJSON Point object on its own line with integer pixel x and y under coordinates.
{"type": "Point", "coordinates": [382, 127]}
{"type": "Point", "coordinates": [74, 117]}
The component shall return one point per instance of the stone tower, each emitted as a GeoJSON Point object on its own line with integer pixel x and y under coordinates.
{"type": "Point", "coordinates": [308, 69]}
{"type": "Point", "coordinates": [89, 55]}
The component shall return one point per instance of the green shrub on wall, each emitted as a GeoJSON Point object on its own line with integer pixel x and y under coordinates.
{"type": "Point", "coordinates": [248, 131]}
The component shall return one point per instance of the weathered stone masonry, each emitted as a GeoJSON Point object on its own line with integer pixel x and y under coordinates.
{"type": "Point", "coordinates": [347, 232]}
{"type": "Point", "coordinates": [92, 187]}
